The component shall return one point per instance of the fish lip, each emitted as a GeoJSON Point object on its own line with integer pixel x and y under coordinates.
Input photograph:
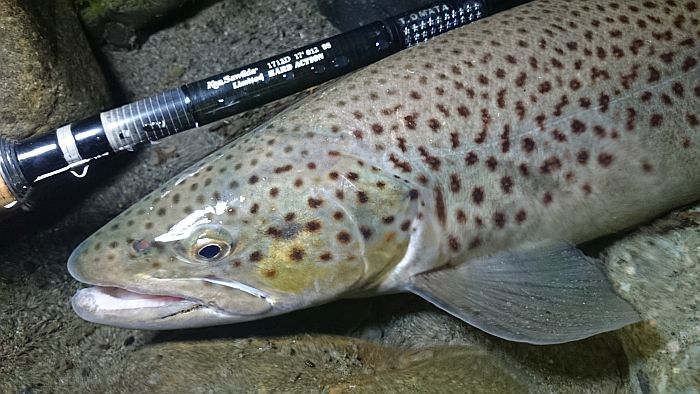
{"type": "Point", "coordinates": [162, 310]}
{"type": "Point", "coordinates": [112, 305]}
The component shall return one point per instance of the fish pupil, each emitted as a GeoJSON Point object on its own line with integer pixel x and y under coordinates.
{"type": "Point", "coordinates": [209, 251]}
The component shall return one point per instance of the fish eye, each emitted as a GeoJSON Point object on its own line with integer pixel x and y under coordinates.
{"type": "Point", "coordinates": [210, 251]}
{"type": "Point", "coordinates": [209, 244]}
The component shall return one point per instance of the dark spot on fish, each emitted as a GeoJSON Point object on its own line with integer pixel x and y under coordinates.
{"type": "Point", "coordinates": [410, 121]}
{"type": "Point", "coordinates": [547, 198]}
{"type": "Point", "coordinates": [362, 197]}
{"type": "Point", "coordinates": [256, 256]}
{"type": "Point", "coordinates": [296, 254]}
{"type": "Point", "coordinates": [440, 205]}
{"type": "Point", "coordinates": [605, 159]}
{"type": "Point", "coordinates": [471, 158]}
{"type": "Point", "coordinates": [475, 243]}
{"type": "Point", "coordinates": [315, 202]}
{"type": "Point", "coordinates": [478, 195]}
{"type": "Point", "coordinates": [491, 163]}
{"type": "Point", "coordinates": [577, 127]}
{"type": "Point", "coordinates": [499, 219]}
{"type": "Point", "coordinates": [326, 256]}
{"type": "Point", "coordinates": [313, 226]}
{"type": "Point", "coordinates": [582, 157]}
{"type": "Point", "coordinates": [343, 237]}
{"type": "Point", "coordinates": [507, 184]}
{"type": "Point", "coordinates": [454, 243]}
{"type": "Point", "coordinates": [366, 232]}
{"type": "Point", "coordinates": [282, 169]}
{"type": "Point", "coordinates": [550, 165]}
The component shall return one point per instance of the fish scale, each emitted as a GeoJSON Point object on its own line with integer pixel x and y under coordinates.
{"type": "Point", "coordinates": [544, 126]}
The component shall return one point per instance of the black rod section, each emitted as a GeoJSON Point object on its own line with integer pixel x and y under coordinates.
{"type": "Point", "coordinates": [27, 164]}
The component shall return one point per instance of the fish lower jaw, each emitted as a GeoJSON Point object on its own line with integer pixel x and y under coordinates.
{"type": "Point", "coordinates": [123, 308]}
{"type": "Point", "coordinates": [114, 298]}
{"type": "Point", "coordinates": [119, 307]}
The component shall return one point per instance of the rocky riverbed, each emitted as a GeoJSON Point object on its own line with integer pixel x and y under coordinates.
{"type": "Point", "coordinates": [395, 343]}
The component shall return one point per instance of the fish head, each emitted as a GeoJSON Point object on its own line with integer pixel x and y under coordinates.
{"type": "Point", "coordinates": [215, 246]}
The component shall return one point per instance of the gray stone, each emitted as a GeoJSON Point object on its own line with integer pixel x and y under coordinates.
{"type": "Point", "coordinates": [658, 270]}
{"type": "Point", "coordinates": [117, 22]}
{"type": "Point", "coordinates": [49, 75]}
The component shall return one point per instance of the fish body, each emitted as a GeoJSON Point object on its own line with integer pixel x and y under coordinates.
{"type": "Point", "coordinates": [463, 169]}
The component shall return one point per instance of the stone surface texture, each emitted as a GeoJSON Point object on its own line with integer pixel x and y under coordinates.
{"type": "Point", "coordinates": [49, 75]}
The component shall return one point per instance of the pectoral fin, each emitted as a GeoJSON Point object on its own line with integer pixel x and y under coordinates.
{"type": "Point", "coordinates": [544, 293]}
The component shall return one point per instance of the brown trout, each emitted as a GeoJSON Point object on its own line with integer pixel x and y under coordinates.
{"type": "Point", "coordinates": [463, 170]}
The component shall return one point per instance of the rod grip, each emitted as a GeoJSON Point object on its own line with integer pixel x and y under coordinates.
{"type": "Point", "coordinates": [6, 197]}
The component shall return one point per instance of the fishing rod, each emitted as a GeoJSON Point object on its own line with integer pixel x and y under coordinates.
{"type": "Point", "coordinates": [28, 167]}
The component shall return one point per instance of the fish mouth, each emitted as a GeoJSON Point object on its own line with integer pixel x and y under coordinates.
{"type": "Point", "coordinates": [150, 303]}
{"type": "Point", "coordinates": [116, 306]}
{"type": "Point", "coordinates": [126, 308]}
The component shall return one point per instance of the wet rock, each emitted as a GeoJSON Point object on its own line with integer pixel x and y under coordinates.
{"type": "Point", "coordinates": [117, 22]}
{"type": "Point", "coordinates": [49, 75]}
{"type": "Point", "coordinates": [658, 270]}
